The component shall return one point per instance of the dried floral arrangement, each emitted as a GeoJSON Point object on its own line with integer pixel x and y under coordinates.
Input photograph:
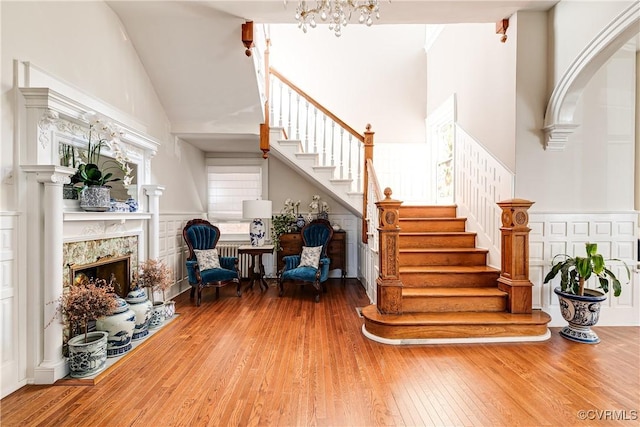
{"type": "Point", "coordinates": [86, 300]}
{"type": "Point", "coordinates": [153, 274]}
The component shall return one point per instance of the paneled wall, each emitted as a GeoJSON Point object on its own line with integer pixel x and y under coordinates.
{"type": "Point", "coordinates": [481, 181]}
{"type": "Point", "coordinates": [173, 250]}
{"type": "Point", "coordinates": [12, 321]}
{"type": "Point", "coordinates": [557, 233]}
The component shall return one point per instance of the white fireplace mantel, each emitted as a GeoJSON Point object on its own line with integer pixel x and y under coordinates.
{"type": "Point", "coordinates": [52, 112]}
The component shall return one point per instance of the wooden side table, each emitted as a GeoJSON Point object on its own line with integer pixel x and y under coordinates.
{"type": "Point", "coordinates": [256, 253]}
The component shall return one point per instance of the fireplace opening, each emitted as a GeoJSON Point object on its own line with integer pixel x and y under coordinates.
{"type": "Point", "coordinates": [114, 269]}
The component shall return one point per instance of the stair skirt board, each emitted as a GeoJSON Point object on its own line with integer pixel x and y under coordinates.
{"type": "Point", "coordinates": [439, 341]}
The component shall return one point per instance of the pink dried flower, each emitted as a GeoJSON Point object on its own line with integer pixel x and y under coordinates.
{"type": "Point", "coordinates": [153, 274]}
{"type": "Point", "coordinates": [86, 300]}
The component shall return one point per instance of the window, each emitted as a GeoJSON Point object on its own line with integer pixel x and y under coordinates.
{"type": "Point", "coordinates": [227, 187]}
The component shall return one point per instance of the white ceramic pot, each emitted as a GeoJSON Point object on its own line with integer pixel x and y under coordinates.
{"type": "Point", "coordinates": [120, 326]}
{"type": "Point", "coordinates": [87, 358]}
{"type": "Point", "coordinates": [157, 315]}
{"type": "Point", "coordinates": [141, 306]}
{"type": "Point", "coordinates": [169, 309]}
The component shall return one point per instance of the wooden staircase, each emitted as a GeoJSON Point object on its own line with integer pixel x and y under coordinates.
{"type": "Point", "coordinates": [448, 290]}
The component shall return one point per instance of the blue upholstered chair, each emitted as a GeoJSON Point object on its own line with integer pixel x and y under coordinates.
{"type": "Point", "coordinates": [201, 235]}
{"type": "Point", "coordinates": [317, 234]}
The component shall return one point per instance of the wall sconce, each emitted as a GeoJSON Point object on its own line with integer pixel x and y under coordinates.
{"type": "Point", "coordinates": [501, 28]}
{"type": "Point", "coordinates": [247, 37]}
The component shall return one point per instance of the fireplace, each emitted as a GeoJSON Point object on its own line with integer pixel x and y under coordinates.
{"type": "Point", "coordinates": [115, 270]}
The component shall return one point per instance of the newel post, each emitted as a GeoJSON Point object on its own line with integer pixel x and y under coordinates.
{"type": "Point", "coordinates": [368, 155]}
{"type": "Point", "coordinates": [389, 284]}
{"type": "Point", "coordinates": [514, 278]}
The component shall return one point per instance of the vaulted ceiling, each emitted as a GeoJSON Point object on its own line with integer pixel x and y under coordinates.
{"type": "Point", "coordinates": [193, 54]}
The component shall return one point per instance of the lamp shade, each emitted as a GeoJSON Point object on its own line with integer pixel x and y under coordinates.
{"type": "Point", "coordinates": [256, 209]}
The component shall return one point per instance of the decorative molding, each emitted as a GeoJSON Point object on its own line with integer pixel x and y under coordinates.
{"type": "Point", "coordinates": [48, 118]}
{"type": "Point", "coordinates": [558, 119]}
{"type": "Point", "coordinates": [557, 135]}
{"type": "Point", "coordinates": [70, 110]}
{"type": "Point", "coordinates": [50, 174]}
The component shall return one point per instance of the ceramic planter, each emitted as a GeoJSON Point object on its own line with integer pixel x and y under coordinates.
{"type": "Point", "coordinates": [581, 312]}
{"type": "Point", "coordinates": [87, 358]}
{"type": "Point", "coordinates": [157, 315]}
{"type": "Point", "coordinates": [95, 198]}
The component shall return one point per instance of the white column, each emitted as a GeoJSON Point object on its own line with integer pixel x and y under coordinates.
{"type": "Point", "coordinates": [52, 366]}
{"type": "Point", "coordinates": [154, 192]}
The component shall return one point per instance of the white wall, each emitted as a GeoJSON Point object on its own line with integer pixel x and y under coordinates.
{"type": "Point", "coordinates": [86, 44]}
{"type": "Point", "coordinates": [595, 172]}
{"type": "Point", "coordinates": [469, 60]}
{"type": "Point", "coordinates": [572, 24]}
{"type": "Point", "coordinates": [285, 183]}
{"type": "Point", "coordinates": [380, 81]}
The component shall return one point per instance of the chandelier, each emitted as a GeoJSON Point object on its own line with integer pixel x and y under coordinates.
{"type": "Point", "coordinates": [337, 13]}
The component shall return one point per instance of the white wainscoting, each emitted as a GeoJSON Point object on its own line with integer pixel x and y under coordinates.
{"type": "Point", "coordinates": [556, 233]}
{"type": "Point", "coordinates": [12, 308]}
{"type": "Point", "coordinates": [480, 182]}
{"type": "Point", "coordinates": [173, 249]}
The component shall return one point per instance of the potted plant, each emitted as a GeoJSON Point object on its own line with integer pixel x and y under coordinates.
{"type": "Point", "coordinates": [580, 306]}
{"type": "Point", "coordinates": [69, 157]}
{"type": "Point", "coordinates": [319, 206]}
{"type": "Point", "coordinates": [155, 276]}
{"type": "Point", "coordinates": [95, 193]}
{"type": "Point", "coordinates": [285, 222]}
{"type": "Point", "coordinates": [86, 300]}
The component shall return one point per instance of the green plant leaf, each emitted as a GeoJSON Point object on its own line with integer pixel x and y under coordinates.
{"type": "Point", "coordinates": [604, 284]}
{"type": "Point", "coordinates": [591, 248]}
{"type": "Point", "coordinates": [598, 263]}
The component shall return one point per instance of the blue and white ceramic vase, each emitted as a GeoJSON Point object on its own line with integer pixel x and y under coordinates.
{"type": "Point", "coordinates": [141, 306]}
{"type": "Point", "coordinates": [157, 315]}
{"type": "Point", "coordinates": [300, 222]}
{"type": "Point", "coordinates": [120, 326]}
{"type": "Point", "coordinates": [169, 309]}
{"type": "Point", "coordinates": [87, 358]}
{"type": "Point", "coordinates": [581, 312]}
{"type": "Point", "coordinates": [257, 232]}
{"type": "Point", "coordinates": [133, 204]}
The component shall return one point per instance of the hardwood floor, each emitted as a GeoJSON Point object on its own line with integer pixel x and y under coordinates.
{"type": "Point", "coordinates": [264, 360]}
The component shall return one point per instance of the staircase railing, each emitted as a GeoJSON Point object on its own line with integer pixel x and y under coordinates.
{"type": "Point", "coordinates": [370, 249]}
{"type": "Point", "coordinates": [318, 130]}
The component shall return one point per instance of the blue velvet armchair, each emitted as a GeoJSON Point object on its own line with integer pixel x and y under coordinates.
{"type": "Point", "coordinates": [201, 235]}
{"type": "Point", "coordinates": [316, 234]}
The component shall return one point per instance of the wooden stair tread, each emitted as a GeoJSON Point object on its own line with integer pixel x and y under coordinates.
{"type": "Point", "coordinates": [438, 233]}
{"type": "Point", "coordinates": [453, 292]}
{"type": "Point", "coordinates": [433, 219]}
{"type": "Point", "coordinates": [440, 250]}
{"type": "Point", "coordinates": [537, 317]}
{"type": "Point", "coordinates": [449, 269]}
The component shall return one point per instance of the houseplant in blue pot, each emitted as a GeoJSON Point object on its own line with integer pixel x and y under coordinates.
{"type": "Point", "coordinates": [580, 306]}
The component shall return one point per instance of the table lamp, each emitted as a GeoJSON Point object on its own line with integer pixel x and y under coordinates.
{"type": "Point", "coordinates": [257, 210]}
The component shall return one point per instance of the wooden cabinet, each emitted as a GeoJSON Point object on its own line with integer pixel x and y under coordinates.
{"type": "Point", "coordinates": [291, 244]}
